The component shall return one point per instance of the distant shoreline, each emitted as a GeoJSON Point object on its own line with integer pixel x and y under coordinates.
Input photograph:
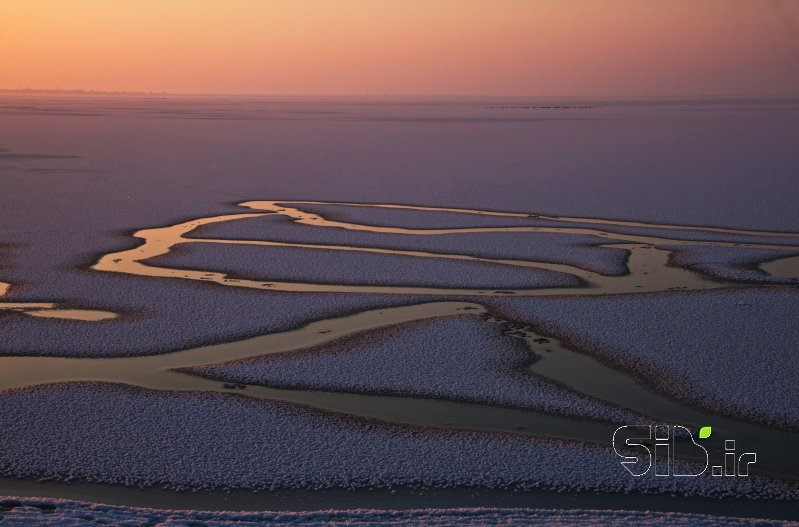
{"type": "Point", "coordinates": [551, 98]}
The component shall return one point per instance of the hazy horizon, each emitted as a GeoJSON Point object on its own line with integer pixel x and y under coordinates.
{"type": "Point", "coordinates": [551, 97]}
{"type": "Point", "coordinates": [615, 49]}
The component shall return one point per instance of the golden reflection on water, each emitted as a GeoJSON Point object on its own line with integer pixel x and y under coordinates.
{"type": "Point", "coordinates": [87, 315]}
{"type": "Point", "coordinates": [51, 310]}
{"type": "Point", "coordinates": [649, 264]}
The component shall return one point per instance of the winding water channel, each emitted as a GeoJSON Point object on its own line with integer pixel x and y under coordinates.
{"type": "Point", "coordinates": [650, 270]}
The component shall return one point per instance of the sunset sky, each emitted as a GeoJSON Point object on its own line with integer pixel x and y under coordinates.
{"type": "Point", "coordinates": [410, 47]}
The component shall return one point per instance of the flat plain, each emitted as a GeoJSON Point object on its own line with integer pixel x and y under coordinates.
{"type": "Point", "coordinates": [379, 304]}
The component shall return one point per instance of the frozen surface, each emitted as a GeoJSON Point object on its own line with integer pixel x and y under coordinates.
{"type": "Point", "coordinates": [729, 350]}
{"type": "Point", "coordinates": [462, 357]}
{"type": "Point", "coordinates": [325, 266]}
{"type": "Point", "coordinates": [581, 251]}
{"type": "Point", "coordinates": [731, 263]}
{"type": "Point", "coordinates": [414, 219]}
{"type": "Point", "coordinates": [79, 174]}
{"type": "Point", "coordinates": [167, 315]}
{"type": "Point", "coordinates": [696, 162]}
{"type": "Point", "coordinates": [117, 435]}
{"type": "Point", "coordinates": [27, 512]}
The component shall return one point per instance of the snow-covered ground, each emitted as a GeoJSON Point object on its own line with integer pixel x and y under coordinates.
{"type": "Point", "coordinates": [26, 512]}
{"type": "Point", "coordinates": [729, 350]}
{"type": "Point", "coordinates": [113, 434]}
{"type": "Point", "coordinates": [730, 263]}
{"type": "Point", "coordinates": [289, 264]}
{"type": "Point", "coordinates": [464, 358]}
{"type": "Point", "coordinates": [80, 175]}
{"type": "Point", "coordinates": [414, 219]}
{"type": "Point", "coordinates": [581, 251]}
{"type": "Point", "coordinates": [421, 219]}
{"type": "Point", "coordinates": [169, 315]}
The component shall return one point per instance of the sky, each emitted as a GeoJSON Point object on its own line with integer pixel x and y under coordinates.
{"type": "Point", "coordinates": [615, 48]}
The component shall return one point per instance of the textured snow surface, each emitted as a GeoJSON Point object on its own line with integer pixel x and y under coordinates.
{"type": "Point", "coordinates": [113, 434]}
{"type": "Point", "coordinates": [731, 263]}
{"type": "Point", "coordinates": [289, 264]}
{"type": "Point", "coordinates": [578, 250]}
{"type": "Point", "coordinates": [28, 512]}
{"type": "Point", "coordinates": [169, 315]}
{"type": "Point", "coordinates": [128, 163]}
{"type": "Point", "coordinates": [417, 219]}
{"type": "Point", "coordinates": [81, 175]}
{"type": "Point", "coordinates": [461, 357]}
{"type": "Point", "coordinates": [729, 350]}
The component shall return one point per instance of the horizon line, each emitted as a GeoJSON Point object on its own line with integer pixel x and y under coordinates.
{"type": "Point", "coordinates": [80, 91]}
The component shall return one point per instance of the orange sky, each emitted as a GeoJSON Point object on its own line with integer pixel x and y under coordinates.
{"type": "Point", "coordinates": [407, 47]}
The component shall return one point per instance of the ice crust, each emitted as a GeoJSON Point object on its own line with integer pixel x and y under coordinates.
{"type": "Point", "coordinates": [463, 358]}
{"type": "Point", "coordinates": [112, 434]}
{"type": "Point", "coordinates": [29, 512]}
{"type": "Point", "coordinates": [320, 266]}
{"type": "Point", "coordinates": [578, 250]}
{"type": "Point", "coordinates": [723, 350]}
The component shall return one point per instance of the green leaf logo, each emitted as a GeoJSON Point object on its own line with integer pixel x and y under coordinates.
{"type": "Point", "coordinates": [704, 432]}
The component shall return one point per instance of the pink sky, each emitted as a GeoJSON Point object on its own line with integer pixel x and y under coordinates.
{"type": "Point", "coordinates": [409, 47]}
